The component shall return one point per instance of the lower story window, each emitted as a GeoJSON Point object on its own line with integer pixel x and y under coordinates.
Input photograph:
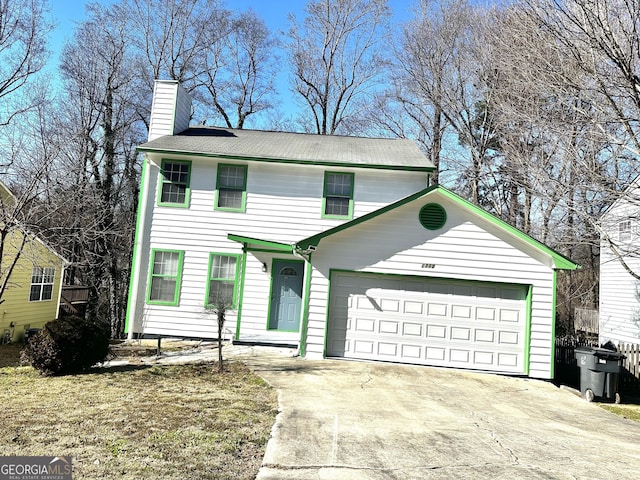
{"type": "Point", "coordinates": [41, 284]}
{"type": "Point", "coordinates": [165, 275]}
{"type": "Point", "coordinates": [222, 280]}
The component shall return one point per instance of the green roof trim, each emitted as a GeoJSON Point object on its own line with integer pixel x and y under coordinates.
{"type": "Point", "coordinates": [247, 241]}
{"type": "Point", "coordinates": [322, 163]}
{"type": "Point", "coordinates": [560, 261]}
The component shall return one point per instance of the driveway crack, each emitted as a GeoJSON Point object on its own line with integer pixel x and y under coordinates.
{"type": "Point", "coordinates": [496, 439]}
{"type": "Point", "coordinates": [364, 382]}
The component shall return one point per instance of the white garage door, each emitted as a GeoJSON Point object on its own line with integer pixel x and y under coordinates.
{"type": "Point", "coordinates": [473, 325]}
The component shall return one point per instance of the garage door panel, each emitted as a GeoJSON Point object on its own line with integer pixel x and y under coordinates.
{"type": "Point", "coordinates": [510, 316]}
{"type": "Point", "coordinates": [508, 338]}
{"type": "Point", "coordinates": [460, 333]}
{"type": "Point", "coordinates": [413, 308]}
{"type": "Point", "coordinates": [437, 309]}
{"type": "Point", "coordinates": [437, 331]}
{"type": "Point", "coordinates": [461, 312]}
{"type": "Point", "coordinates": [389, 327]}
{"type": "Point", "coordinates": [388, 350]}
{"type": "Point", "coordinates": [484, 336]}
{"type": "Point", "coordinates": [432, 322]}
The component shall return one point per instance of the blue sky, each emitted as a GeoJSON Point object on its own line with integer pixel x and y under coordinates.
{"type": "Point", "coordinates": [66, 12]}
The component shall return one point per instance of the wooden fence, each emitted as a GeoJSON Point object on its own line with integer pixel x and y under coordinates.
{"type": "Point", "coordinates": [586, 320]}
{"type": "Point", "coordinates": [568, 372]}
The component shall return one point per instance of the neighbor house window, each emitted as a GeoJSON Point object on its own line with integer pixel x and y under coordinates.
{"type": "Point", "coordinates": [231, 191]}
{"type": "Point", "coordinates": [174, 185]}
{"type": "Point", "coordinates": [624, 230]}
{"type": "Point", "coordinates": [222, 280]}
{"type": "Point", "coordinates": [41, 284]}
{"type": "Point", "coordinates": [337, 201]}
{"type": "Point", "coordinates": [165, 276]}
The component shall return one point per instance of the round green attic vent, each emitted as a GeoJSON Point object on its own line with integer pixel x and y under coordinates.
{"type": "Point", "coordinates": [432, 216]}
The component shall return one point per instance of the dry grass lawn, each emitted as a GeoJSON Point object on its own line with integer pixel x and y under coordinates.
{"type": "Point", "coordinates": [632, 412]}
{"type": "Point", "coordinates": [139, 422]}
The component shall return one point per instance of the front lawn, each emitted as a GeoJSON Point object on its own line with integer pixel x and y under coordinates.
{"type": "Point", "coordinates": [140, 422]}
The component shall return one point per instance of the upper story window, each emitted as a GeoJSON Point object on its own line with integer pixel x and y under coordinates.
{"type": "Point", "coordinates": [231, 188]}
{"type": "Point", "coordinates": [624, 230]}
{"type": "Point", "coordinates": [164, 277]}
{"type": "Point", "coordinates": [337, 200]}
{"type": "Point", "coordinates": [175, 177]}
{"type": "Point", "coordinates": [41, 284]}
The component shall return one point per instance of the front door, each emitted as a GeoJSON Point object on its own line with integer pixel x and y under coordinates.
{"type": "Point", "coordinates": [286, 295]}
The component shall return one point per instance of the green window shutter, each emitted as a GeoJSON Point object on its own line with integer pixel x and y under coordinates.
{"type": "Point", "coordinates": [432, 216]}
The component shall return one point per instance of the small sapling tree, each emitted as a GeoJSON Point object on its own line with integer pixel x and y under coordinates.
{"type": "Point", "coordinates": [220, 301]}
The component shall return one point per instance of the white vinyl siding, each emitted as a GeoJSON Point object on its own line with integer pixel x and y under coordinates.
{"type": "Point", "coordinates": [619, 308]}
{"type": "Point", "coordinates": [283, 205]}
{"type": "Point", "coordinates": [467, 248]}
{"type": "Point", "coordinates": [619, 299]}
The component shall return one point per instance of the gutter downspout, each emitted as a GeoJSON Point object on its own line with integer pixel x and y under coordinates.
{"type": "Point", "coordinates": [308, 269]}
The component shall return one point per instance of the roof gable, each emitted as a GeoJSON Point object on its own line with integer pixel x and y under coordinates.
{"type": "Point", "coordinates": [9, 201]}
{"type": "Point", "coordinates": [286, 147]}
{"type": "Point", "coordinates": [526, 242]}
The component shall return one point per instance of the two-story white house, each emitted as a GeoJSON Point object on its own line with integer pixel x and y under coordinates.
{"type": "Point", "coordinates": [619, 308]}
{"type": "Point", "coordinates": [335, 245]}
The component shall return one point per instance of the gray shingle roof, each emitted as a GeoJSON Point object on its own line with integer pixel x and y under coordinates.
{"type": "Point", "coordinates": [293, 147]}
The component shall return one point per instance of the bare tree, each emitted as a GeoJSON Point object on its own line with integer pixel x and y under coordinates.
{"type": "Point", "coordinates": [238, 68]}
{"type": "Point", "coordinates": [440, 87]}
{"type": "Point", "coordinates": [172, 35]}
{"type": "Point", "coordinates": [100, 119]}
{"type": "Point", "coordinates": [28, 147]}
{"type": "Point", "coordinates": [337, 55]}
{"type": "Point", "coordinates": [23, 52]}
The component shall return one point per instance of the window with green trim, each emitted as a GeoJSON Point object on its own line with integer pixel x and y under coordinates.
{"type": "Point", "coordinates": [174, 185]}
{"type": "Point", "coordinates": [164, 277]}
{"type": "Point", "coordinates": [231, 187]}
{"type": "Point", "coordinates": [222, 280]}
{"type": "Point", "coordinates": [337, 200]}
{"type": "Point", "coordinates": [41, 284]}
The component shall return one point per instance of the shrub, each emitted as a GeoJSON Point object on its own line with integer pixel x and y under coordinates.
{"type": "Point", "coordinates": [67, 345]}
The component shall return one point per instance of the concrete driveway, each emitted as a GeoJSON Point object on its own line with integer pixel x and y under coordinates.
{"type": "Point", "coordinates": [357, 420]}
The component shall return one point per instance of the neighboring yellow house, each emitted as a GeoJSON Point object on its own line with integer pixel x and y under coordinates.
{"type": "Point", "coordinates": [32, 292]}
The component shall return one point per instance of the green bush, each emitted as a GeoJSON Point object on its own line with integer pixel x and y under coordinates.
{"type": "Point", "coordinates": [67, 345]}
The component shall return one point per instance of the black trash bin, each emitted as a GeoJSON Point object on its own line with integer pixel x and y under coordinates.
{"type": "Point", "coordinates": [599, 372]}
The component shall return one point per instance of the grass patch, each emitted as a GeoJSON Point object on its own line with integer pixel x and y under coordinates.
{"type": "Point", "coordinates": [632, 412]}
{"type": "Point", "coordinates": [140, 422]}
